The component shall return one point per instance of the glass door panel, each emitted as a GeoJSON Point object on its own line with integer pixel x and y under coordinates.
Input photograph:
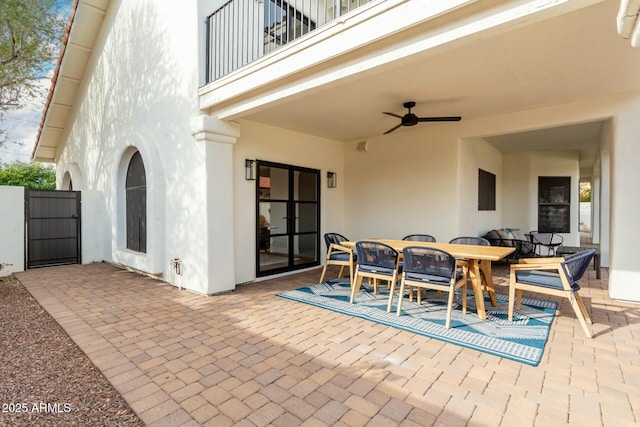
{"type": "Point", "coordinates": [277, 259]}
{"type": "Point", "coordinates": [306, 217]}
{"type": "Point", "coordinates": [287, 218]}
{"type": "Point", "coordinates": [305, 186]}
{"type": "Point", "coordinates": [306, 249]}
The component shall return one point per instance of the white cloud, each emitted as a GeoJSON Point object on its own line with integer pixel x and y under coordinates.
{"type": "Point", "coordinates": [20, 127]}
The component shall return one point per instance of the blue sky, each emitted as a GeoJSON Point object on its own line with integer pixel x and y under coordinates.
{"type": "Point", "coordinates": [21, 126]}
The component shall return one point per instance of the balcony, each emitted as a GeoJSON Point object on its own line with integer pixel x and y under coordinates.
{"type": "Point", "coordinates": [242, 31]}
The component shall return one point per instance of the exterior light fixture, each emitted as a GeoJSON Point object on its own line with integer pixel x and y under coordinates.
{"type": "Point", "coordinates": [332, 179]}
{"type": "Point", "coordinates": [250, 170]}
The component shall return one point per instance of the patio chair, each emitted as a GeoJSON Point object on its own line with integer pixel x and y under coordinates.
{"type": "Point", "coordinates": [376, 261]}
{"type": "Point", "coordinates": [463, 263]}
{"type": "Point", "coordinates": [416, 238]}
{"type": "Point", "coordinates": [470, 240]}
{"type": "Point", "coordinates": [338, 255]}
{"type": "Point", "coordinates": [547, 241]}
{"type": "Point", "coordinates": [419, 238]}
{"type": "Point", "coordinates": [552, 276]}
{"type": "Point", "coordinates": [430, 268]}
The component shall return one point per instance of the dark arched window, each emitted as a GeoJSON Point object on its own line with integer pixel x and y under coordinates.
{"type": "Point", "coordinates": [136, 187]}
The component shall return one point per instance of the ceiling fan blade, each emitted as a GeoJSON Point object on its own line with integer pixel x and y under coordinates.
{"type": "Point", "coordinates": [393, 128]}
{"type": "Point", "coordinates": [392, 114]}
{"type": "Point", "coordinates": [440, 119]}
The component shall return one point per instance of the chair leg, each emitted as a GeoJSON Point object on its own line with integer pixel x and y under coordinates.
{"type": "Point", "coordinates": [341, 271]}
{"type": "Point", "coordinates": [356, 287]}
{"type": "Point", "coordinates": [324, 271]}
{"type": "Point", "coordinates": [464, 297]}
{"type": "Point", "coordinates": [583, 308]}
{"type": "Point", "coordinates": [391, 292]}
{"type": "Point", "coordinates": [351, 267]}
{"type": "Point", "coordinates": [400, 296]}
{"type": "Point", "coordinates": [452, 292]}
{"type": "Point", "coordinates": [579, 315]}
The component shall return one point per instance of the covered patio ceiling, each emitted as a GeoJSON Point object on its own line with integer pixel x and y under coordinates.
{"type": "Point", "coordinates": [572, 56]}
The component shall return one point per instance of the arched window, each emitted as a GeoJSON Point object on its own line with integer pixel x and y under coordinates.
{"type": "Point", "coordinates": [67, 184]}
{"type": "Point", "coordinates": [136, 204]}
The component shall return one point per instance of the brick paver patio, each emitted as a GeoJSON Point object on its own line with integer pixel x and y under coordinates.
{"type": "Point", "coordinates": [251, 358]}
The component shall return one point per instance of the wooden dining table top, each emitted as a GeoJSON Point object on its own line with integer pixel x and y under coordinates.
{"type": "Point", "coordinates": [478, 252]}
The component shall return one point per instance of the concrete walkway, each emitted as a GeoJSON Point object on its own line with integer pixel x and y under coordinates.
{"type": "Point", "coordinates": [251, 358]}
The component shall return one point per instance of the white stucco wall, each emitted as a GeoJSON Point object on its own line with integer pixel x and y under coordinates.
{"type": "Point", "coordinates": [426, 180]}
{"type": "Point", "coordinates": [140, 93]}
{"type": "Point", "coordinates": [477, 153]}
{"type": "Point", "coordinates": [273, 144]}
{"type": "Point", "coordinates": [12, 229]}
{"type": "Point", "coordinates": [522, 170]}
{"type": "Point", "coordinates": [94, 227]}
{"type": "Point", "coordinates": [624, 277]}
{"type": "Point", "coordinates": [406, 182]}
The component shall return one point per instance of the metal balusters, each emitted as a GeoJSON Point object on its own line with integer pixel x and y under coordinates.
{"type": "Point", "coordinates": [241, 31]}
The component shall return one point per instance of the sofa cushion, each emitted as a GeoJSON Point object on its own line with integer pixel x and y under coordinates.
{"type": "Point", "coordinates": [506, 237]}
{"type": "Point", "coordinates": [492, 236]}
{"type": "Point", "coordinates": [517, 234]}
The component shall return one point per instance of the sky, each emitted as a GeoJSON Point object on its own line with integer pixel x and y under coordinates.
{"type": "Point", "coordinates": [21, 126]}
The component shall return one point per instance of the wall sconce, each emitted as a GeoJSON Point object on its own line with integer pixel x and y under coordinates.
{"type": "Point", "coordinates": [249, 170]}
{"type": "Point", "coordinates": [332, 179]}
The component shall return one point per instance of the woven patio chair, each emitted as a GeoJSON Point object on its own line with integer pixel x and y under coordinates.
{"type": "Point", "coordinates": [552, 276]}
{"type": "Point", "coordinates": [338, 255]}
{"type": "Point", "coordinates": [376, 261]}
{"type": "Point", "coordinates": [430, 268]}
{"type": "Point", "coordinates": [547, 241]}
{"type": "Point", "coordinates": [419, 238]}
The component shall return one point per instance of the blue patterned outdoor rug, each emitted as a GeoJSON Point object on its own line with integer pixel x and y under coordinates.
{"type": "Point", "coordinates": [522, 340]}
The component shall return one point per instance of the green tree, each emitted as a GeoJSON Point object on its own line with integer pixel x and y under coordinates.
{"type": "Point", "coordinates": [585, 191]}
{"type": "Point", "coordinates": [29, 175]}
{"type": "Point", "coordinates": [30, 31]}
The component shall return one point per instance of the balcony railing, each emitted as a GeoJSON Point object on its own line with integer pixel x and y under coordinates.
{"type": "Point", "coordinates": [242, 31]}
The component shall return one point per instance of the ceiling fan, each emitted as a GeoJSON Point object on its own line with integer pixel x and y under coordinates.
{"type": "Point", "coordinates": [411, 119]}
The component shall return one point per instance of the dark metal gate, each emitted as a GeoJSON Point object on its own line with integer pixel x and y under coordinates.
{"type": "Point", "coordinates": [52, 228]}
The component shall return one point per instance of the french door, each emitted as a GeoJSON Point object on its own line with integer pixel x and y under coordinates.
{"type": "Point", "coordinates": [287, 218]}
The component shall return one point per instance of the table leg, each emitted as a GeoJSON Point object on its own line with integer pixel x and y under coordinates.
{"type": "Point", "coordinates": [485, 269]}
{"type": "Point", "coordinates": [476, 283]}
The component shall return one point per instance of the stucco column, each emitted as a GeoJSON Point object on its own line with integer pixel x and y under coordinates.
{"type": "Point", "coordinates": [624, 272]}
{"type": "Point", "coordinates": [219, 138]}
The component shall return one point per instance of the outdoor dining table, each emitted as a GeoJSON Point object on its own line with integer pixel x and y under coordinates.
{"type": "Point", "coordinates": [479, 258]}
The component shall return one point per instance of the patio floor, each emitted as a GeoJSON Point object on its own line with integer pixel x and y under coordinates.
{"type": "Point", "coordinates": [250, 358]}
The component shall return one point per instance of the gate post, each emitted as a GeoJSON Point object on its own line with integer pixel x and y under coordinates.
{"type": "Point", "coordinates": [12, 229]}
